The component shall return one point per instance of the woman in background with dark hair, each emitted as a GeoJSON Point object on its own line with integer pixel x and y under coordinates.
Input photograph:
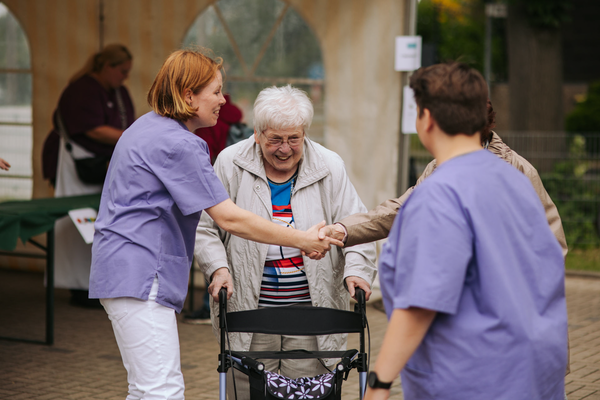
{"type": "Point", "coordinates": [92, 113]}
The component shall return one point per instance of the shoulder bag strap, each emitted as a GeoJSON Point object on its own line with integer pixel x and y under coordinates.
{"type": "Point", "coordinates": [121, 107]}
{"type": "Point", "coordinates": [62, 131]}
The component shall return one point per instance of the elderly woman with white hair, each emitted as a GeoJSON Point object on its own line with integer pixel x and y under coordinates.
{"type": "Point", "coordinates": [283, 176]}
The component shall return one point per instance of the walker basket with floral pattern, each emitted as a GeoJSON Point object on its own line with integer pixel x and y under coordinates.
{"type": "Point", "coordinates": [299, 321]}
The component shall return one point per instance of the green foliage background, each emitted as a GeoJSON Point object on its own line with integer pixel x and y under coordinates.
{"type": "Point", "coordinates": [545, 14]}
{"type": "Point", "coordinates": [576, 192]}
{"type": "Point", "coordinates": [456, 29]}
{"type": "Point", "coordinates": [585, 119]}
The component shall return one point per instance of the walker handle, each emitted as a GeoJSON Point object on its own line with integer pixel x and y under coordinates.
{"type": "Point", "coordinates": [359, 294]}
{"type": "Point", "coordinates": [361, 305]}
{"type": "Point", "coordinates": [223, 299]}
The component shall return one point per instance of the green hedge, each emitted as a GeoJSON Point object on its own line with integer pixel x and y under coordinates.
{"type": "Point", "coordinates": [576, 193]}
{"type": "Point", "coordinates": [585, 119]}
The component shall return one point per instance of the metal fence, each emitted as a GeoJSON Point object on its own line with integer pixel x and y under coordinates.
{"type": "Point", "coordinates": [569, 166]}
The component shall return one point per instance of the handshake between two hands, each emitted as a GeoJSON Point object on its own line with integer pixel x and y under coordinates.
{"type": "Point", "coordinates": [320, 239]}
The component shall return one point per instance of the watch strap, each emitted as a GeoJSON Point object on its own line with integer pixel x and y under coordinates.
{"type": "Point", "coordinates": [374, 382]}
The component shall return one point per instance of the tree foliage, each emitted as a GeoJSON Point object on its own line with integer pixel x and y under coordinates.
{"type": "Point", "coordinates": [545, 14]}
{"type": "Point", "coordinates": [586, 115]}
{"type": "Point", "coordinates": [455, 30]}
{"type": "Point", "coordinates": [585, 119]}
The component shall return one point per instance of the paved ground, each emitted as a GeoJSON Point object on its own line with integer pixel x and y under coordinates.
{"type": "Point", "coordinates": [84, 362]}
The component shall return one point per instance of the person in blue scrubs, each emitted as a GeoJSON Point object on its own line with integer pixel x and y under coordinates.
{"type": "Point", "coordinates": [471, 275]}
{"type": "Point", "coordinates": [159, 181]}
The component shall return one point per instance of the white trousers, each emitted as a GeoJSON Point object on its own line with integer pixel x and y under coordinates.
{"type": "Point", "coordinates": [147, 337]}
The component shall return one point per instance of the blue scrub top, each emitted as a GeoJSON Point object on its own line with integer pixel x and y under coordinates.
{"type": "Point", "coordinates": [158, 182]}
{"type": "Point", "coordinates": [472, 243]}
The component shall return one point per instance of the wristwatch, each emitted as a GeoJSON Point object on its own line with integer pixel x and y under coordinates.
{"type": "Point", "coordinates": [374, 382]}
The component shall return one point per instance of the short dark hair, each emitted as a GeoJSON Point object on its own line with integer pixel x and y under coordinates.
{"type": "Point", "coordinates": [486, 132]}
{"type": "Point", "coordinates": [455, 95]}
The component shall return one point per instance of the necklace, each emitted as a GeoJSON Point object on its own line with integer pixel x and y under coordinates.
{"type": "Point", "coordinates": [292, 272]}
{"type": "Point", "coordinates": [285, 222]}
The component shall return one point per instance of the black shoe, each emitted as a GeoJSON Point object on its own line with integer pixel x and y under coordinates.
{"type": "Point", "coordinates": [79, 298]}
{"type": "Point", "coordinates": [199, 317]}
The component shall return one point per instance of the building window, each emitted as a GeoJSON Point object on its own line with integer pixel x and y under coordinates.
{"type": "Point", "coordinates": [263, 43]}
{"type": "Point", "coordinates": [16, 131]}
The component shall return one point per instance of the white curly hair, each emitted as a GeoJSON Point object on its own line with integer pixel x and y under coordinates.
{"type": "Point", "coordinates": [282, 108]}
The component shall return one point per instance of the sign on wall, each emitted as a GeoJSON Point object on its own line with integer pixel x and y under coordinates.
{"type": "Point", "coordinates": [408, 53]}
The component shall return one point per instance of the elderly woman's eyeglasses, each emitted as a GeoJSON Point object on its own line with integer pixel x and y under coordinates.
{"type": "Point", "coordinates": [291, 141]}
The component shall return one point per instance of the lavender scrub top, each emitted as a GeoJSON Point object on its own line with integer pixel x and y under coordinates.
{"type": "Point", "coordinates": [472, 243]}
{"type": "Point", "coordinates": [158, 182]}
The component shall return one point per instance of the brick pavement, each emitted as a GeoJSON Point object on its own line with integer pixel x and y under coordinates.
{"type": "Point", "coordinates": [583, 305]}
{"type": "Point", "coordinates": [84, 362]}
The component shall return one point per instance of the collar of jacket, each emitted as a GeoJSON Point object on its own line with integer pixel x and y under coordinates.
{"type": "Point", "coordinates": [498, 147]}
{"type": "Point", "coordinates": [312, 166]}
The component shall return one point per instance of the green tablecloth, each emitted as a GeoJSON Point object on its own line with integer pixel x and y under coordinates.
{"type": "Point", "coordinates": [25, 219]}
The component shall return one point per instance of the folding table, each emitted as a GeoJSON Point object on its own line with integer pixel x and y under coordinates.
{"type": "Point", "coordinates": [26, 219]}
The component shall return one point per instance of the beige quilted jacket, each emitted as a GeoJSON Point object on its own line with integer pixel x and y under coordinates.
{"type": "Point", "coordinates": [322, 192]}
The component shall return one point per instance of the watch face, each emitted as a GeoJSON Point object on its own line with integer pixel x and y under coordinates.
{"type": "Point", "coordinates": [372, 378]}
{"type": "Point", "coordinates": [373, 381]}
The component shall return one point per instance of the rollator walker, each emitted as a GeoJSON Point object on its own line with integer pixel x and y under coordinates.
{"type": "Point", "coordinates": [300, 321]}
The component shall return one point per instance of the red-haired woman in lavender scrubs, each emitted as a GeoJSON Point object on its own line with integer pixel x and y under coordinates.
{"type": "Point", "coordinates": [159, 181]}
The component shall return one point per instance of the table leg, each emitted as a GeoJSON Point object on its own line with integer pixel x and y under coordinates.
{"type": "Point", "coordinates": [49, 249]}
{"type": "Point", "coordinates": [50, 287]}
